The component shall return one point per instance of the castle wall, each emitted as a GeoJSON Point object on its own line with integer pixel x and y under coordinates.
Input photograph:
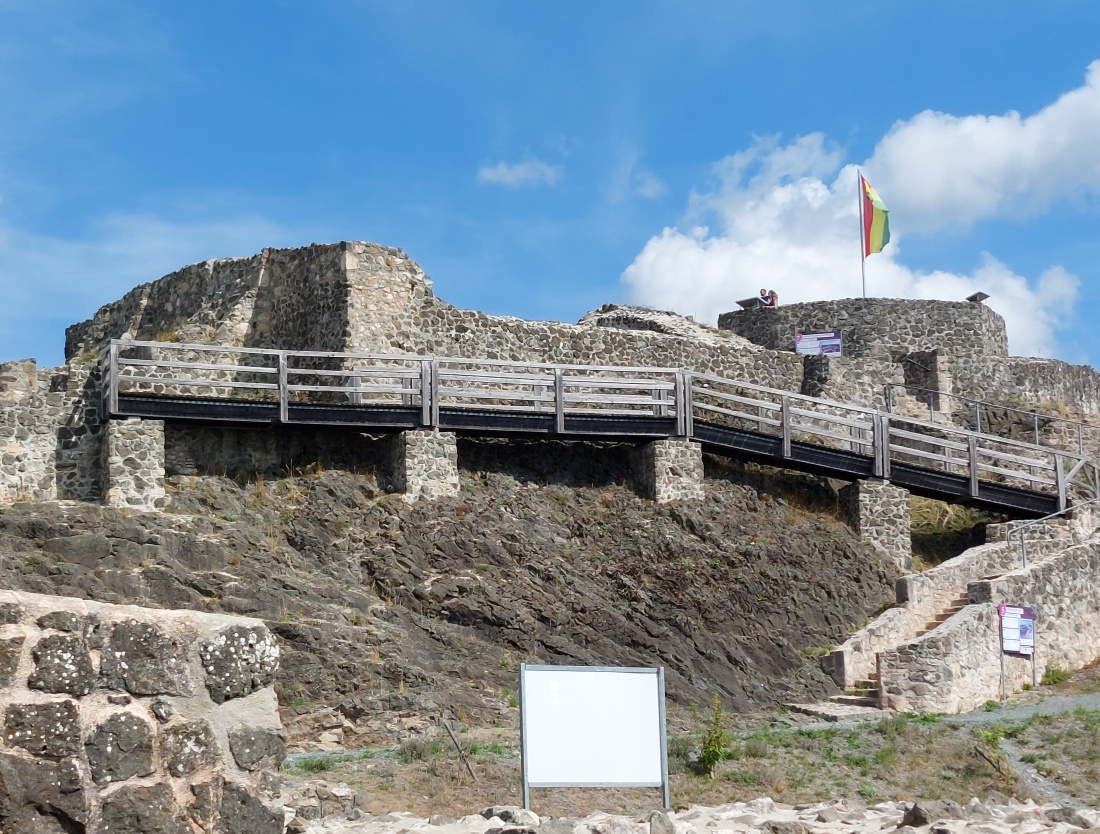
{"type": "Point", "coordinates": [957, 667]}
{"type": "Point", "coordinates": [877, 326]}
{"type": "Point", "coordinates": [50, 432]}
{"type": "Point", "coordinates": [127, 720]}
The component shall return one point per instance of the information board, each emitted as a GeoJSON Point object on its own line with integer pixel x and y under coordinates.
{"type": "Point", "coordinates": [1017, 629]}
{"type": "Point", "coordinates": [592, 726]}
{"type": "Point", "coordinates": [817, 344]}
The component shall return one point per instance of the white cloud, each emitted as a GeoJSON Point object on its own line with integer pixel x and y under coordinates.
{"type": "Point", "coordinates": [518, 174]}
{"type": "Point", "coordinates": [785, 216]}
{"type": "Point", "coordinates": [942, 170]}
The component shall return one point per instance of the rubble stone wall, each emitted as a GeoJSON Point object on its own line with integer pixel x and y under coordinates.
{"type": "Point", "coordinates": [133, 464]}
{"type": "Point", "coordinates": [50, 432]}
{"type": "Point", "coordinates": [957, 666]}
{"type": "Point", "coordinates": [879, 512]}
{"type": "Point", "coordinates": [128, 720]}
{"type": "Point", "coordinates": [921, 597]}
{"type": "Point", "coordinates": [882, 327]}
{"type": "Point", "coordinates": [670, 470]}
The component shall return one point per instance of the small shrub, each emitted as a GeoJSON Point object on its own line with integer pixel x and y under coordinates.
{"type": "Point", "coordinates": [991, 706]}
{"type": "Point", "coordinates": [716, 741]}
{"type": "Point", "coordinates": [1055, 674]}
{"type": "Point", "coordinates": [419, 749]}
{"type": "Point", "coordinates": [867, 791]}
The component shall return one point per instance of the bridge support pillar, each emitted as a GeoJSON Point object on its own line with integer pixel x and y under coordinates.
{"type": "Point", "coordinates": [424, 463]}
{"type": "Point", "coordinates": [133, 464]}
{"type": "Point", "coordinates": [670, 470]}
{"type": "Point", "coordinates": [879, 512]}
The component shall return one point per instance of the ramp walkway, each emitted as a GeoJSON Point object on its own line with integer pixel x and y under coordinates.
{"type": "Point", "coordinates": [489, 397]}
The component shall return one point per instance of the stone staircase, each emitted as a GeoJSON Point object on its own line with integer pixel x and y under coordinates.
{"type": "Point", "coordinates": [956, 606]}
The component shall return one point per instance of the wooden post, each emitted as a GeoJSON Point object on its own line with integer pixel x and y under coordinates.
{"type": "Point", "coordinates": [972, 454]}
{"type": "Point", "coordinates": [426, 392]}
{"type": "Point", "coordinates": [434, 421]}
{"type": "Point", "coordinates": [559, 401]}
{"type": "Point", "coordinates": [284, 394]}
{"type": "Point", "coordinates": [785, 420]}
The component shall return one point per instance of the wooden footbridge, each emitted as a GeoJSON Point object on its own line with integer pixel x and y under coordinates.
{"type": "Point", "coordinates": [488, 397]}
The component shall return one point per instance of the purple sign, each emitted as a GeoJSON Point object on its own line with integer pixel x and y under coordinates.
{"type": "Point", "coordinates": [1017, 629]}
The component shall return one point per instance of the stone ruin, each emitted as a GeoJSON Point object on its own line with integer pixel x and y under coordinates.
{"type": "Point", "coordinates": [125, 719]}
{"type": "Point", "coordinates": [362, 297]}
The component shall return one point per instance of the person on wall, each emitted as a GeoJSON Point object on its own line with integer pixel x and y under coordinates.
{"type": "Point", "coordinates": [769, 298]}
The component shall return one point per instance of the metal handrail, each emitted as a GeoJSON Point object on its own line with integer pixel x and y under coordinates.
{"type": "Point", "coordinates": [1019, 528]}
{"type": "Point", "coordinates": [888, 396]}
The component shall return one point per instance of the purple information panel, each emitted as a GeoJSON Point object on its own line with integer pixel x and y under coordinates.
{"type": "Point", "coordinates": [1017, 629]}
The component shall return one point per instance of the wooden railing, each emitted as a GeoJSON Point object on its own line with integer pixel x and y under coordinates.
{"type": "Point", "coordinates": [674, 400]}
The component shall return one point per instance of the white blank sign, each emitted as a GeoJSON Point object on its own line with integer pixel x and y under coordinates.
{"type": "Point", "coordinates": [592, 726]}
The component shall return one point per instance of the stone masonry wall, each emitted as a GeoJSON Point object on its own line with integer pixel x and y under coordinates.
{"type": "Point", "coordinates": [670, 470]}
{"type": "Point", "coordinates": [879, 512]}
{"type": "Point", "coordinates": [133, 464]}
{"type": "Point", "coordinates": [49, 432]}
{"type": "Point", "coordinates": [129, 720]}
{"type": "Point", "coordinates": [425, 464]}
{"type": "Point", "coordinates": [362, 297]}
{"type": "Point", "coordinates": [957, 666]}
{"type": "Point", "coordinates": [921, 598]}
{"type": "Point", "coordinates": [883, 327]}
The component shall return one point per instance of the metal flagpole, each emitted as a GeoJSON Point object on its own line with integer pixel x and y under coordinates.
{"type": "Point", "coordinates": [862, 253]}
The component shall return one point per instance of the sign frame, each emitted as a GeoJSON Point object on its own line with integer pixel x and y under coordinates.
{"type": "Point", "coordinates": [531, 731]}
{"type": "Point", "coordinates": [826, 343]}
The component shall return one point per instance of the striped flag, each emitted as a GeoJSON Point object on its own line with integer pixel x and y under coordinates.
{"type": "Point", "coordinates": [876, 220]}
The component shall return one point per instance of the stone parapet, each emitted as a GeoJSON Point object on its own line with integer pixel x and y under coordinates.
{"type": "Point", "coordinates": [424, 464]}
{"type": "Point", "coordinates": [879, 512]}
{"type": "Point", "coordinates": [129, 720]}
{"type": "Point", "coordinates": [886, 328]}
{"type": "Point", "coordinates": [921, 598]}
{"type": "Point", "coordinates": [670, 470]}
{"type": "Point", "coordinates": [957, 666]}
{"type": "Point", "coordinates": [133, 464]}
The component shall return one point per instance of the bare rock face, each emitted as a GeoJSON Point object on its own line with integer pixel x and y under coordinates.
{"type": "Point", "coordinates": [120, 748]}
{"type": "Point", "coordinates": [142, 661]}
{"type": "Point", "coordinates": [63, 665]}
{"type": "Point", "coordinates": [239, 662]}
{"type": "Point", "coordinates": [50, 730]}
{"type": "Point", "coordinates": [10, 613]}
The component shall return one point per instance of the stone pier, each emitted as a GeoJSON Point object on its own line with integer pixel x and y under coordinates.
{"type": "Point", "coordinates": [879, 512]}
{"type": "Point", "coordinates": [133, 464]}
{"type": "Point", "coordinates": [424, 463]}
{"type": "Point", "coordinates": [670, 470]}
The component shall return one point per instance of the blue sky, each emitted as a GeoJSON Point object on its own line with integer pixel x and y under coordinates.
{"type": "Point", "coordinates": [541, 159]}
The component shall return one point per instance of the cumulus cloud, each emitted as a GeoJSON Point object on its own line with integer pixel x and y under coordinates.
{"type": "Point", "coordinates": [943, 170]}
{"type": "Point", "coordinates": [785, 216]}
{"type": "Point", "coordinates": [519, 174]}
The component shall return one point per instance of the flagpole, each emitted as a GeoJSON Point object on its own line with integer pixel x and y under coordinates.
{"type": "Point", "coordinates": [862, 253]}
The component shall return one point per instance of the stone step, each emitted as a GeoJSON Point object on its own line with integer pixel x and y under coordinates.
{"type": "Point", "coordinates": [856, 700]}
{"type": "Point", "coordinates": [829, 711]}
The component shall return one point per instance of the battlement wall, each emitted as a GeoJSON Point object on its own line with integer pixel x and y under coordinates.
{"type": "Point", "coordinates": [881, 327]}
{"type": "Point", "coordinates": [362, 297]}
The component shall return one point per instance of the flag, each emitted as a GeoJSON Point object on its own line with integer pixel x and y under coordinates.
{"type": "Point", "coordinates": [876, 220]}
